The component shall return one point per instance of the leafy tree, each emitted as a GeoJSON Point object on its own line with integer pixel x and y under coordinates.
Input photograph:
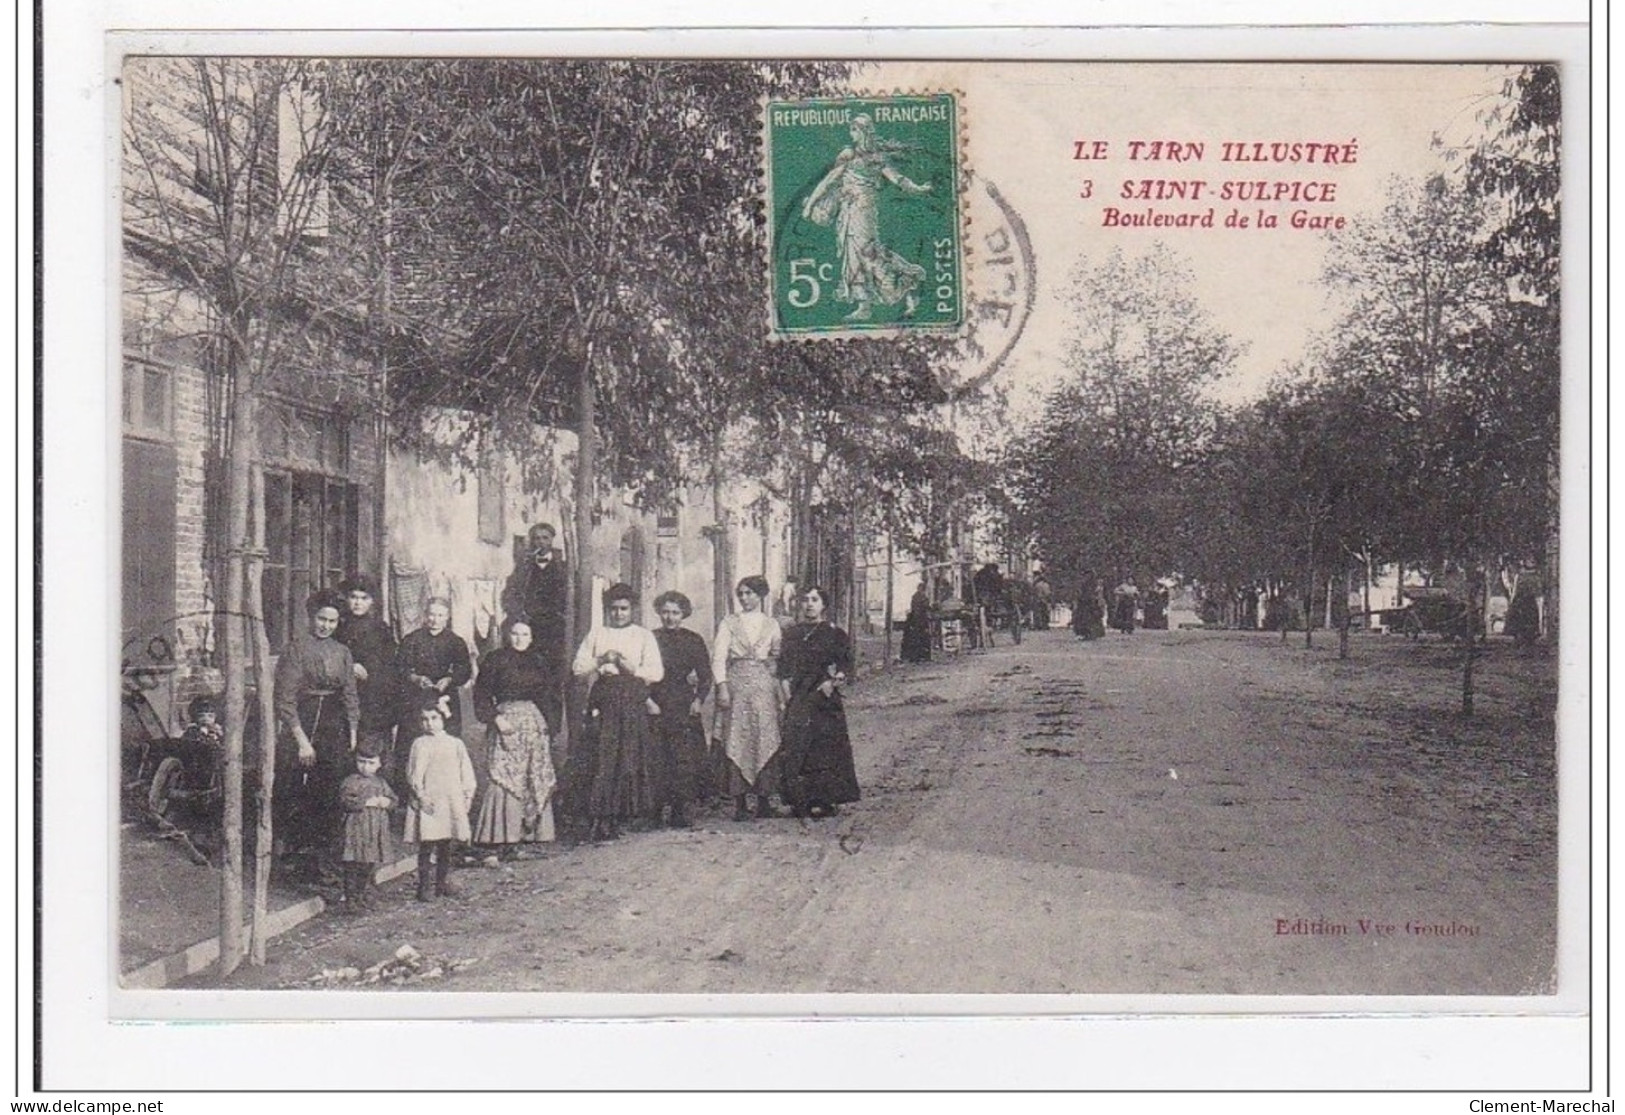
{"type": "Point", "coordinates": [1104, 481]}
{"type": "Point", "coordinates": [587, 228]}
{"type": "Point", "coordinates": [1518, 168]}
{"type": "Point", "coordinates": [1417, 283]}
{"type": "Point", "coordinates": [1463, 378]}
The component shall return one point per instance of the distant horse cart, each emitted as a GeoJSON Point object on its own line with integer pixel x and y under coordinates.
{"type": "Point", "coordinates": [1431, 611]}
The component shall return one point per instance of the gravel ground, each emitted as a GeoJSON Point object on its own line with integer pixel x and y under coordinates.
{"type": "Point", "coordinates": [1171, 812]}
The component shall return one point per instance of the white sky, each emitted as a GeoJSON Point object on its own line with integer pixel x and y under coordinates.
{"type": "Point", "coordinates": [1261, 286]}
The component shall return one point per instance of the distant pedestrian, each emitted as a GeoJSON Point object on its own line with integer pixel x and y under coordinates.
{"type": "Point", "coordinates": [440, 777]}
{"type": "Point", "coordinates": [1156, 609]}
{"type": "Point", "coordinates": [367, 800]}
{"type": "Point", "coordinates": [675, 704]}
{"type": "Point", "coordinates": [917, 628]}
{"type": "Point", "coordinates": [1523, 613]}
{"type": "Point", "coordinates": [1125, 601]}
{"type": "Point", "coordinates": [819, 772]}
{"type": "Point", "coordinates": [1089, 614]}
{"type": "Point", "coordinates": [988, 585]}
{"type": "Point", "coordinates": [744, 661]}
{"type": "Point", "coordinates": [1043, 601]}
{"type": "Point", "coordinates": [615, 760]}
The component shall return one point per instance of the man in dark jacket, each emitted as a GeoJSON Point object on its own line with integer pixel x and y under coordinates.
{"type": "Point", "coordinates": [539, 593]}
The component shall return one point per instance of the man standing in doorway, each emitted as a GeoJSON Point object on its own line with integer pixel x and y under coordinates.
{"type": "Point", "coordinates": [539, 592]}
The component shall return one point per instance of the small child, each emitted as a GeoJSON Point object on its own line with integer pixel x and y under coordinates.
{"type": "Point", "coordinates": [441, 781]}
{"type": "Point", "coordinates": [205, 724]}
{"type": "Point", "coordinates": [367, 800]}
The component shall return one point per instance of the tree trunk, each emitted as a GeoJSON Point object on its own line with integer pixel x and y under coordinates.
{"type": "Point", "coordinates": [1550, 582]}
{"type": "Point", "coordinates": [1469, 659]}
{"type": "Point", "coordinates": [1348, 616]}
{"type": "Point", "coordinates": [1365, 597]}
{"type": "Point", "coordinates": [264, 706]}
{"type": "Point", "coordinates": [244, 436]}
{"type": "Point", "coordinates": [890, 589]}
{"type": "Point", "coordinates": [852, 600]}
{"type": "Point", "coordinates": [1309, 594]}
{"type": "Point", "coordinates": [576, 617]}
{"type": "Point", "coordinates": [586, 497]}
{"type": "Point", "coordinates": [722, 565]}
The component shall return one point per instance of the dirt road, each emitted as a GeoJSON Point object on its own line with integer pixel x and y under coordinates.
{"type": "Point", "coordinates": [1187, 812]}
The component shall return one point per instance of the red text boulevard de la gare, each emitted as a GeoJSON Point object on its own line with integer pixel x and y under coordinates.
{"type": "Point", "coordinates": [1289, 184]}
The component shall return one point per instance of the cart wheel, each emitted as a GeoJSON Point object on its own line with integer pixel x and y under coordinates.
{"type": "Point", "coordinates": [167, 782]}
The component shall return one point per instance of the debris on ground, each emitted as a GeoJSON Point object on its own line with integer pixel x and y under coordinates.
{"type": "Point", "coordinates": [406, 966]}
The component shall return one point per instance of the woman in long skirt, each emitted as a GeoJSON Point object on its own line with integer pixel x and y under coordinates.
{"type": "Point", "coordinates": [318, 716]}
{"type": "Point", "coordinates": [623, 660]}
{"type": "Point", "coordinates": [744, 661]}
{"type": "Point", "coordinates": [819, 773]}
{"type": "Point", "coordinates": [917, 628]}
{"type": "Point", "coordinates": [679, 732]}
{"type": "Point", "coordinates": [514, 685]}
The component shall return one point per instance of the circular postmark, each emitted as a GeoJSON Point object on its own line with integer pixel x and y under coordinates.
{"type": "Point", "coordinates": [182, 644]}
{"type": "Point", "coordinates": [1002, 289]}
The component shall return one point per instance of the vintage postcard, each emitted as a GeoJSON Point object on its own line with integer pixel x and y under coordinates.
{"type": "Point", "coordinates": [612, 534]}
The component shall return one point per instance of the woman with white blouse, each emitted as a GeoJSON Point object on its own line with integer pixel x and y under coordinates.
{"type": "Point", "coordinates": [623, 660]}
{"type": "Point", "coordinates": [744, 660]}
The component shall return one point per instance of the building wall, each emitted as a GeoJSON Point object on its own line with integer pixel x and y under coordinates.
{"type": "Point", "coordinates": [161, 365]}
{"type": "Point", "coordinates": [164, 331]}
{"type": "Point", "coordinates": [433, 521]}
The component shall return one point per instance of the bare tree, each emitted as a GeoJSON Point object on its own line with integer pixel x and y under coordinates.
{"type": "Point", "coordinates": [226, 203]}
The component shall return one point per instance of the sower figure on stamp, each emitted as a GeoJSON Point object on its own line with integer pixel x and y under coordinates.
{"type": "Point", "coordinates": [850, 194]}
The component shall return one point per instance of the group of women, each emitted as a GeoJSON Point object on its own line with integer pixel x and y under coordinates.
{"type": "Point", "coordinates": [642, 751]}
{"type": "Point", "coordinates": [345, 687]}
{"type": "Point", "coordinates": [780, 726]}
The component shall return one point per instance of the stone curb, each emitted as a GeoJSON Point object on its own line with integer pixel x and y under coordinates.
{"type": "Point", "coordinates": [190, 961]}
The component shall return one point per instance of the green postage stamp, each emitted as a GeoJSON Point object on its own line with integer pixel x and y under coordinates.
{"type": "Point", "coordinates": [864, 233]}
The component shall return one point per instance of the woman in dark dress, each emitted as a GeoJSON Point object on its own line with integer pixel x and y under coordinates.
{"type": "Point", "coordinates": [917, 628]}
{"type": "Point", "coordinates": [372, 646]}
{"type": "Point", "coordinates": [432, 660]}
{"type": "Point", "coordinates": [1089, 615]}
{"type": "Point", "coordinates": [1523, 613]}
{"type": "Point", "coordinates": [818, 771]}
{"type": "Point", "coordinates": [318, 716]}
{"type": "Point", "coordinates": [674, 702]}
{"type": "Point", "coordinates": [515, 684]}
{"type": "Point", "coordinates": [1125, 601]}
